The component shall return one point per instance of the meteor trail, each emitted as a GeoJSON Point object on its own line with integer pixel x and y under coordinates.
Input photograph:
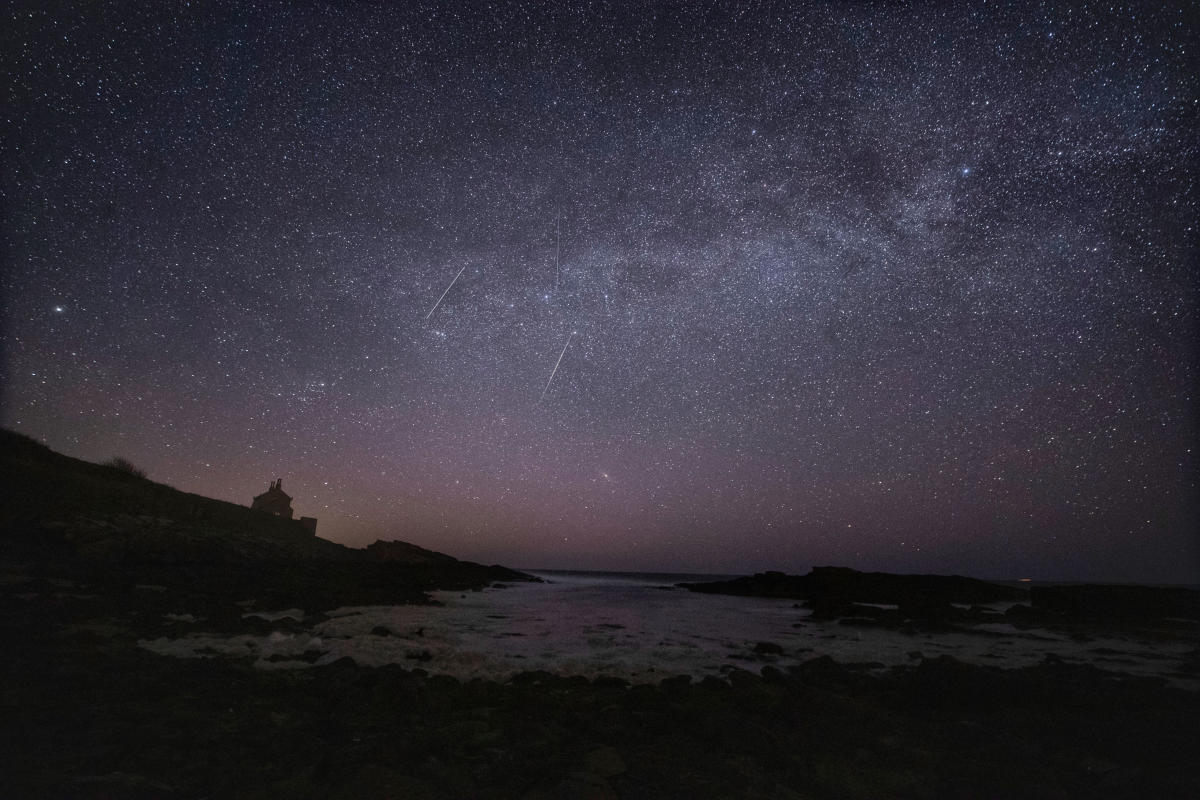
{"type": "Point", "coordinates": [556, 363]}
{"type": "Point", "coordinates": [443, 297]}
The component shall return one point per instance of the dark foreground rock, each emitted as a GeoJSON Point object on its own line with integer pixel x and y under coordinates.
{"type": "Point", "coordinates": [92, 560]}
{"type": "Point", "coordinates": [88, 715]}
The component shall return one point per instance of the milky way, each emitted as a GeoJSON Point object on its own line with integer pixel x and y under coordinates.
{"type": "Point", "coordinates": [896, 288]}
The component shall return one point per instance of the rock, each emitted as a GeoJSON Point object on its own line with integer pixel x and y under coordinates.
{"type": "Point", "coordinates": [609, 682]}
{"type": "Point", "coordinates": [1020, 614]}
{"type": "Point", "coordinates": [445, 683]}
{"type": "Point", "coordinates": [740, 678]}
{"type": "Point", "coordinates": [928, 608]}
{"type": "Point", "coordinates": [768, 648]}
{"type": "Point", "coordinates": [577, 786]}
{"type": "Point", "coordinates": [821, 667]}
{"type": "Point", "coordinates": [531, 678]}
{"type": "Point", "coordinates": [120, 784]}
{"type": "Point", "coordinates": [1097, 766]}
{"type": "Point", "coordinates": [675, 682]}
{"type": "Point", "coordinates": [772, 674]}
{"type": "Point", "coordinates": [379, 630]}
{"type": "Point", "coordinates": [833, 585]}
{"type": "Point", "coordinates": [605, 762]}
{"type": "Point", "coordinates": [374, 780]}
{"type": "Point", "coordinates": [764, 584]}
{"type": "Point", "coordinates": [464, 731]}
{"type": "Point", "coordinates": [308, 657]}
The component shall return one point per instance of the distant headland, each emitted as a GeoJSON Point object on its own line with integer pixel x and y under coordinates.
{"type": "Point", "coordinates": [88, 522]}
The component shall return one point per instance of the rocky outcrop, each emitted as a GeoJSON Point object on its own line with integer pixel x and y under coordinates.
{"type": "Point", "coordinates": [97, 720]}
{"type": "Point", "coordinates": [830, 586]}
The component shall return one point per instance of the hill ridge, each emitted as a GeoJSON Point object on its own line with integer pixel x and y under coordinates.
{"type": "Point", "coordinates": [68, 519]}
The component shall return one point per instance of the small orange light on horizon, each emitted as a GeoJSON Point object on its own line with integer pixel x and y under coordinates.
{"type": "Point", "coordinates": [1024, 580]}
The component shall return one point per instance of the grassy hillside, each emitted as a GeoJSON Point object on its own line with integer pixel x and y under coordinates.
{"type": "Point", "coordinates": [95, 502]}
{"type": "Point", "coordinates": [97, 527]}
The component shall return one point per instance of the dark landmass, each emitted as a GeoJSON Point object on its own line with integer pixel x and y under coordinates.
{"type": "Point", "coordinates": [841, 584]}
{"type": "Point", "coordinates": [103, 529]}
{"type": "Point", "coordinates": [842, 593]}
{"type": "Point", "coordinates": [93, 717]}
{"type": "Point", "coordinates": [92, 559]}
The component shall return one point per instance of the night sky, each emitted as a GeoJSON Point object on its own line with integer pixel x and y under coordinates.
{"type": "Point", "coordinates": [911, 289]}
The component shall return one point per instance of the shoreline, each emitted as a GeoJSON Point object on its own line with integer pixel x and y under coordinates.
{"type": "Point", "coordinates": [93, 716]}
{"type": "Point", "coordinates": [95, 561]}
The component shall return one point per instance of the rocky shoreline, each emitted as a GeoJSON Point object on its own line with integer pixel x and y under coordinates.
{"type": "Point", "coordinates": [87, 714]}
{"type": "Point", "coordinates": [886, 600]}
{"type": "Point", "coordinates": [92, 562]}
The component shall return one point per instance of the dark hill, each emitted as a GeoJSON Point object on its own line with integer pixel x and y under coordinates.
{"type": "Point", "coordinates": [100, 528]}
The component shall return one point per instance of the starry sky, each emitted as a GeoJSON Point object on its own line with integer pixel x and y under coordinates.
{"type": "Point", "coordinates": [678, 286]}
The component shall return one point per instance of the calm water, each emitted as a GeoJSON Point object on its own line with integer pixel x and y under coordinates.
{"type": "Point", "coordinates": [638, 627]}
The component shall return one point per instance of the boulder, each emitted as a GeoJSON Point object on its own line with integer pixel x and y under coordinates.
{"type": "Point", "coordinates": [605, 762]}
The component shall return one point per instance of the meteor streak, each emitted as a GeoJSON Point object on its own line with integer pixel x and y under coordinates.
{"type": "Point", "coordinates": [557, 247]}
{"type": "Point", "coordinates": [556, 363]}
{"type": "Point", "coordinates": [443, 297]}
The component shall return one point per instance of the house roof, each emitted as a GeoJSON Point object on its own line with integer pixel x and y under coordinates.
{"type": "Point", "coordinates": [274, 493]}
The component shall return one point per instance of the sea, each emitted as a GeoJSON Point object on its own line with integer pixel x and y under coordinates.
{"type": "Point", "coordinates": [642, 628]}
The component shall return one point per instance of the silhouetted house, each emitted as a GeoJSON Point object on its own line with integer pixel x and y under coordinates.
{"type": "Point", "coordinates": [275, 501]}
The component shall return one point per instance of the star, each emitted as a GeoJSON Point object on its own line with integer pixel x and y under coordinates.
{"type": "Point", "coordinates": [810, 283]}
